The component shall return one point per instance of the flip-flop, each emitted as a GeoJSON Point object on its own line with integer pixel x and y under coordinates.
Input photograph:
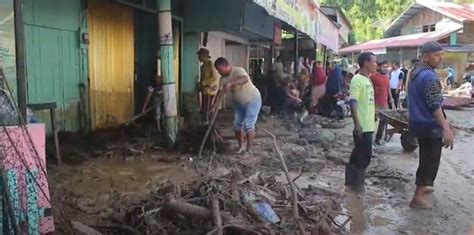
{"type": "Point", "coordinates": [241, 151]}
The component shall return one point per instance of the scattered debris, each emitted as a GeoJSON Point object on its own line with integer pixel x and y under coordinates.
{"type": "Point", "coordinates": [231, 195]}
{"type": "Point", "coordinates": [83, 229]}
{"type": "Point", "coordinates": [319, 136]}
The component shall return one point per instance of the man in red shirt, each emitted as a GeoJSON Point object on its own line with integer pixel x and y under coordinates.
{"type": "Point", "coordinates": [381, 82]}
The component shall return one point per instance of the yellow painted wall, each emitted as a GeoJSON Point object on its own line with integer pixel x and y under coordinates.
{"type": "Point", "coordinates": [176, 59]}
{"type": "Point", "coordinates": [111, 63]}
{"type": "Point", "coordinates": [458, 61]}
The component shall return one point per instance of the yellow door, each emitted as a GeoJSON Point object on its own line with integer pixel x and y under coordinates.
{"type": "Point", "coordinates": [111, 63]}
{"type": "Point", "coordinates": [176, 59]}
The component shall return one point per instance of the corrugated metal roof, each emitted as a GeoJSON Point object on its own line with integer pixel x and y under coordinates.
{"type": "Point", "coordinates": [413, 40]}
{"type": "Point", "coordinates": [341, 12]}
{"type": "Point", "coordinates": [461, 12]}
{"type": "Point", "coordinates": [403, 18]}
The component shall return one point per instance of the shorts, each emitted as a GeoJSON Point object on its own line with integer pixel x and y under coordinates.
{"type": "Point", "coordinates": [245, 116]}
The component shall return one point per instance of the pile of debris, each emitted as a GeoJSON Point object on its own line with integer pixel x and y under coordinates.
{"type": "Point", "coordinates": [234, 204]}
{"type": "Point", "coordinates": [189, 140]}
{"type": "Point", "coordinates": [236, 195]}
{"type": "Point", "coordinates": [257, 204]}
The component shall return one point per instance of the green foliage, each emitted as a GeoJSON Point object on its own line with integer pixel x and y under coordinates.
{"type": "Point", "coordinates": [369, 18]}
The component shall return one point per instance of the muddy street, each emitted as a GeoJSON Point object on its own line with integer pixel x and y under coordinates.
{"type": "Point", "coordinates": [452, 212]}
{"type": "Point", "coordinates": [105, 189]}
{"type": "Point", "coordinates": [384, 207]}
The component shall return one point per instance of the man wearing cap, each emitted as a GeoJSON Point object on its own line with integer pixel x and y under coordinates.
{"type": "Point", "coordinates": [209, 83]}
{"type": "Point", "coordinates": [427, 121]}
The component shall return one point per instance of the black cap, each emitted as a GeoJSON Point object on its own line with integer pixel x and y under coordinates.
{"type": "Point", "coordinates": [430, 47]}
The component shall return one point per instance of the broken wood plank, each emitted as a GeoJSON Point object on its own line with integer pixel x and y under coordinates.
{"type": "Point", "coordinates": [216, 214]}
{"type": "Point", "coordinates": [84, 229]}
{"type": "Point", "coordinates": [294, 192]}
{"type": "Point", "coordinates": [186, 208]}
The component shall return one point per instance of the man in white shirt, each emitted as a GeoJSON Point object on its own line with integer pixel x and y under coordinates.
{"type": "Point", "coordinates": [396, 82]}
{"type": "Point", "coordinates": [247, 101]}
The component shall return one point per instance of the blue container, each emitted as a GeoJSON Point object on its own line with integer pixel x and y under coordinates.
{"type": "Point", "coordinates": [267, 212]}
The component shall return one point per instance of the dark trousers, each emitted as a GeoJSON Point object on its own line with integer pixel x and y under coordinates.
{"type": "Point", "coordinates": [380, 130]}
{"type": "Point", "coordinates": [206, 104]}
{"type": "Point", "coordinates": [450, 81]}
{"type": "Point", "coordinates": [396, 98]}
{"type": "Point", "coordinates": [430, 156]}
{"type": "Point", "coordinates": [362, 152]}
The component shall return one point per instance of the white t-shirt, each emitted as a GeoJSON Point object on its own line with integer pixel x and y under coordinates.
{"type": "Point", "coordinates": [245, 93]}
{"type": "Point", "coordinates": [396, 77]}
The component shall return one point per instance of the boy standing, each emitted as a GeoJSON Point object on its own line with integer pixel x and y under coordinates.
{"type": "Point", "coordinates": [382, 96]}
{"type": "Point", "coordinates": [363, 115]}
{"type": "Point", "coordinates": [155, 91]}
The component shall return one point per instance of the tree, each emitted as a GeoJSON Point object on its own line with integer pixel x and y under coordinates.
{"type": "Point", "coordinates": [369, 18]}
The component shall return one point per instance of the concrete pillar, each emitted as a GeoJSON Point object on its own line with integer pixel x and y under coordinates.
{"type": "Point", "coordinates": [169, 83]}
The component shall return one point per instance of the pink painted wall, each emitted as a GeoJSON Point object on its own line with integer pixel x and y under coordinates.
{"type": "Point", "coordinates": [31, 197]}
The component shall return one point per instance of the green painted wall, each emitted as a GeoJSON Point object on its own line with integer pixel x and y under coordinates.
{"type": "Point", "coordinates": [191, 42]}
{"type": "Point", "coordinates": [212, 15]}
{"type": "Point", "coordinates": [54, 65]}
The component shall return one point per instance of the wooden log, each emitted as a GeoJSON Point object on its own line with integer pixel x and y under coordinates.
{"type": "Point", "coordinates": [216, 214]}
{"type": "Point", "coordinates": [186, 208]}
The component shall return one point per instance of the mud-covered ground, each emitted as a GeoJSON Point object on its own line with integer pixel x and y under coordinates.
{"type": "Point", "coordinates": [99, 189]}
{"type": "Point", "coordinates": [384, 208]}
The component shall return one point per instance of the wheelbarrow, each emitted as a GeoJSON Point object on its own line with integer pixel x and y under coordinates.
{"type": "Point", "coordinates": [398, 120]}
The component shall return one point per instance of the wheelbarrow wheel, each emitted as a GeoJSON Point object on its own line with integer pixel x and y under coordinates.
{"type": "Point", "coordinates": [409, 142]}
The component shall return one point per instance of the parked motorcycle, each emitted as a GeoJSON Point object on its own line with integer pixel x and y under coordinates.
{"type": "Point", "coordinates": [343, 104]}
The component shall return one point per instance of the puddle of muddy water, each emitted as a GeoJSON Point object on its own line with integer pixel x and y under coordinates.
{"type": "Point", "coordinates": [96, 178]}
{"type": "Point", "coordinates": [370, 213]}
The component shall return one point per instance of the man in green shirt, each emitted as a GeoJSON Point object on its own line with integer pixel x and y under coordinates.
{"type": "Point", "coordinates": [363, 115]}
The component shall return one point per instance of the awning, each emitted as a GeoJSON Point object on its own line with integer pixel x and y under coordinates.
{"type": "Point", "coordinates": [413, 40]}
{"type": "Point", "coordinates": [302, 15]}
{"type": "Point", "coordinates": [328, 33]}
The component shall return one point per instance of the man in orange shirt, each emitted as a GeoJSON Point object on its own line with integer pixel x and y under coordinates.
{"type": "Point", "coordinates": [381, 81]}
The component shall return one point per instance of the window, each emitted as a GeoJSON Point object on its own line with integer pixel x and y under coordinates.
{"type": "Point", "coordinates": [429, 28]}
{"type": "Point", "coordinates": [426, 28]}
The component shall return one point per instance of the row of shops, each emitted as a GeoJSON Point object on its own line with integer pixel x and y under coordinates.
{"type": "Point", "coordinates": [95, 58]}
